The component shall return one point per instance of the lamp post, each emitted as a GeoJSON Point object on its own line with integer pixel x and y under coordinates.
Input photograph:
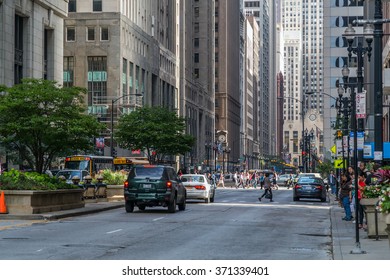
{"type": "Point", "coordinates": [357, 249]}
{"type": "Point", "coordinates": [208, 148]}
{"type": "Point", "coordinates": [113, 101]}
{"type": "Point", "coordinates": [360, 51]}
{"type": "Point", "coordinates": [227, 151]}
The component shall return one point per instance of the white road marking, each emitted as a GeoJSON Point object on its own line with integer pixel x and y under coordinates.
{"type": "Point", "coordinates": [154, 220]}
{"type": "Point", "coordinates": [40, 250]}
{"type": "Point", "coordinates": [114, 231]}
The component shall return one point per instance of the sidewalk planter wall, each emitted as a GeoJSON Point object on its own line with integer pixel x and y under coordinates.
{"type": "Point", "coordinates": [115, 193]}
{"type": "Point", "coordinates": [370, 205]}
{"type": "Point", "coordinates": [35, 202]}
{"type": "Point", "coordinates": [388, 227]}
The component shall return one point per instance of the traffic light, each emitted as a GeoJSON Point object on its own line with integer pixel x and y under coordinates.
{"type": "Point", "coordinates": [114, 153]}
{"type": "Point", "coordinates": [339, 133]}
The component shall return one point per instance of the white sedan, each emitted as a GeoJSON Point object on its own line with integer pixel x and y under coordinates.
{"type": "Point", "coordinates": [198, 187]}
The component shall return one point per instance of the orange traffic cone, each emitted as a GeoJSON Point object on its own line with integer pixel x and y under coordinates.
{"type": "Point", "coordinates": [3, 206]}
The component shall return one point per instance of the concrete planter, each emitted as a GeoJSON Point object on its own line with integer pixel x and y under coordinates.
{"type": "Point", "coordinates": [369, 208]}
{"type": "Point", "coordinates": [115, 193]}
{"type": "Point", "coordinates": [388, 226]}
{"type": "Point", "coordinates": [35, 202]}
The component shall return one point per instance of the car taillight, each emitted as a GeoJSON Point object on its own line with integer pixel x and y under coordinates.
{"type": "Point", "coordinates": [319, 187]}
{"type": "Point", "coordinates": [298, 186]}
{"type": "Point", "coordinates": [169, 184]}
{"type": "Point", "coordinates": [126, 185]}
{"type": "Point", "coordinates": [200, 187]}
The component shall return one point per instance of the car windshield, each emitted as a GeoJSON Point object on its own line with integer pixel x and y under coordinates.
{"type": "Point", "coordinates": [155, 172]}
{"type": "Point", "coordinates": [192, 178]}
{"type": "Point", "coordinates": [309, 180]}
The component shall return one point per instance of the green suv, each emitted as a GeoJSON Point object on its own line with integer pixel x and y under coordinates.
{"type": "Point", "coordinates": [154, 185]}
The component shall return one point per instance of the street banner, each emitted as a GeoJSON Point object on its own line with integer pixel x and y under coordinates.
{"type": "Point", "coordinates": [367, 152]}
{"type": "Point", "coordinates": [339, 147]}
{"type": "Point", "coordinates": [361, 105]}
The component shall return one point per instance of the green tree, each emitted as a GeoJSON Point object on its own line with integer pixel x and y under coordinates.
{"type": "Point", "coordinates": [324, 168]}
{"type": "Point", "coordinates": [157, 130]}
{"type": "Point", "coordinates": [40, 121]}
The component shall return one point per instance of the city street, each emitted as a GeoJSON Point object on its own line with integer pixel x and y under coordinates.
{"type": "Point", "coordinates": [236, 226]}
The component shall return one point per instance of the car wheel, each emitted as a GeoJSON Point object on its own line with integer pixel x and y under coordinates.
{"type": "Point", "coordinates": [212, 198]}
{"type": "Point", "coordinates": [129, 206]}
{"type": "Point", "coordinates": [182, 206]}
{"type": "Point", "coordinates": [207, 200]}
{"type": "Point", "coordinates": [172, 206]}
{"type": "Point", "coordinates": [141, 207]}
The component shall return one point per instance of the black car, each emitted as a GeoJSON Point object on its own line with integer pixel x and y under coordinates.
{"type": "Point", "coordinates": [154, 185]}
{"type": "Point", "coordinates": [309, 187]}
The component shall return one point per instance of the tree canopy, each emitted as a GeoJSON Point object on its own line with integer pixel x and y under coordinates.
{"type": "Point", "coordinates": [157, 130]}
{"type": "Point", "coordinates": [40, 121]}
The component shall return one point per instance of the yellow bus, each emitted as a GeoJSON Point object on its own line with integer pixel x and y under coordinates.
{"type": "Point", "coordinates": [90, 163]}
{"type": "Point", "coordinates": [125, 163]}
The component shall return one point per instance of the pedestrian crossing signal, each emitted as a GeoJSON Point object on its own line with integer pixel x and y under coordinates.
{"type": "Point", "coordinates": [339, 133]}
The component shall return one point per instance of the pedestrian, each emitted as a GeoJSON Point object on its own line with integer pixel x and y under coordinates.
{"type": "Point", "coordinates": [221, 181]}
{"type": "Point", "coordinates": [274, 184]}
{"type": "Point", "coordinates": [362, 185]}
{"type": "Point", "coordinates": [332, 182]}
{"type": "Point", "coordinates": [267, 188]}
{"type": "Point", "coordinates": [345, 195]}
{"type": "Point", "coordinates": [261, 181]}
{"type": "Point", "coordinates": [236, 179]}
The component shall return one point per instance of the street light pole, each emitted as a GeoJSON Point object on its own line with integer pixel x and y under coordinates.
{"type": "Point", "coordinates": [378, 90]}
{"type": "Point", "coordinates": [112, 119]}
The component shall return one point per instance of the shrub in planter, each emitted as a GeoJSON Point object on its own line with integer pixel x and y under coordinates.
{"type": "Point", "coordinates": [17, 180]}
{"type": "Point", "coordinates": [113, 178]}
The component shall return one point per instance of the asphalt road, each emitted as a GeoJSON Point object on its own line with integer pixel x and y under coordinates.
{"type": "Point", "coordinates": [235, 226]}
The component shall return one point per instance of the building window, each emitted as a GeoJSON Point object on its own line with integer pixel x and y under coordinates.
{"type": "Point", "coordinates": [68, 69]}
{"type": "Point", "coordinates": [196, 27]}
{"type": "Point", "coordinates": [90, 33]}
{"type": "Point", "coordinates": [70, 34]}
{"type": "Point", "coordinates": [104, 33]}
{"type": "Point", "coordinates": [18, 58]}
{"type": "Point", "coordinates": [196, 42]}
{"type": "Point", "coordinates": [196, 73]}
{"type": "Point", "coordinates": [72, 6]}
{"type": "Point", "coordinates": [196, 12]}
{"type": "Point", "coordinates": [196, 57]}
{"type": "Point", "coordinates": [97, 6]}
{"type": "Point", "coordinates": [97, 80]}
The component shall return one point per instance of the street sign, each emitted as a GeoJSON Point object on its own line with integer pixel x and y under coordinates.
{"type": "Point", "coordinates": [333, 149]}
{"type": "Point", "coordinates": [361, 105]}
{"type": "Point", "coordinates": [339, 164]}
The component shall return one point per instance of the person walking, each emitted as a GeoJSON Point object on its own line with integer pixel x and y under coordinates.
{"type": "Point", "coordinates": [267, 188]}
{"type": "Point", "coordinates": [332, 182]}
{"type": "Point", "coordinates": [221, 181]}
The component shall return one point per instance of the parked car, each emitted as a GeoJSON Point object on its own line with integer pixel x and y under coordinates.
{"type": "Point", "coordinates": [309, 187]}
{"type": "Point", "coordinates": [198, 187]}
{"type": "Point", "coordinates": [154, 185]}
{"type": "Point", "coordinates": [70, 173]}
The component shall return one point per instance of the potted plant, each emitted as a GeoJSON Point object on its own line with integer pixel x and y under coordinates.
{"type": "Point", "coordinates": [114, 181]}
{"type": "Point", "coordinates": [33, 193]}
{"type": "Point", "coordinates": [376, 202]}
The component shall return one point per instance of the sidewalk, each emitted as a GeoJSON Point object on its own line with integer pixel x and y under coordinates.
{"type": "Point", "coordinates": [344, 239]}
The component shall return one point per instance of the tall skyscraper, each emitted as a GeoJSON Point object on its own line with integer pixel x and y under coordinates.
{"type": "Point", "coordinates": [197, 79]}
{"type": "Point", "coordinates": [265, 15]}
{"type": "Point", "coordinates": [302, 24]}
{"type": "Point", "coordinates": [120, 49]}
